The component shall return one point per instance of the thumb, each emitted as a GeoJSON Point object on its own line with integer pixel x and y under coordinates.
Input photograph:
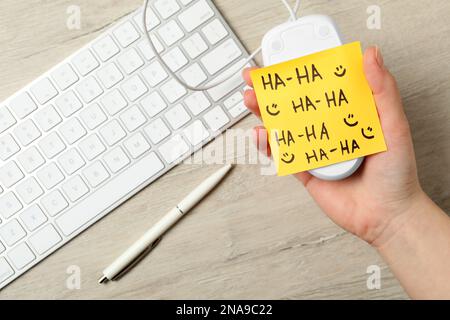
{"type": "Point", "coordinates": [384, 89]}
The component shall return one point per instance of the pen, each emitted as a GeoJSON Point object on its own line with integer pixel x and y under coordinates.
{"type": "Point", "coordinates": [151, 238]}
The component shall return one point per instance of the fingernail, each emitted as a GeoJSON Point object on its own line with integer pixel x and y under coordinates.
{"type": "Point", "coordinates": [379, 57]}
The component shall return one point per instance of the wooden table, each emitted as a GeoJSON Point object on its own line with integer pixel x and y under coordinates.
{"type": "Point", "coordinates": [256, 236]}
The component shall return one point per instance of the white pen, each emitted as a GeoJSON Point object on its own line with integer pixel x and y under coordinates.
{"type": "Point", "coordinates": [151, 238]}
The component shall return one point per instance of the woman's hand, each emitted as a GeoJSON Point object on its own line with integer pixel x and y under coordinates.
{"type": "Point", "coordinates": [375, 201]}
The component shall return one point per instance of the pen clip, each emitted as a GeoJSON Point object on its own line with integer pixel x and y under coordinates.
{"type": "Point", "coordinates": [137, 259]}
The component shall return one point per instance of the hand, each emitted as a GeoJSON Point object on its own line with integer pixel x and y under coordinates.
{"type": "Point", "coordinates": [375, 201]}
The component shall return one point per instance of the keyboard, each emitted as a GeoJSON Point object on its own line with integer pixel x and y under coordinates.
{"type": "Point", "coordinates": [107, 121]}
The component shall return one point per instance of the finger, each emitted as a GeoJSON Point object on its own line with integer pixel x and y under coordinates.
{"type": "Point", "coordinates": [304, 177]}
{"type": "Point", "coordinates": [384, 88]}
{"type": "Point", "coordinates": [246, 75]}
{"type": "Point", "coordinates": [260, 138]}
{"type": "Point", "coordinates": [251, 102]}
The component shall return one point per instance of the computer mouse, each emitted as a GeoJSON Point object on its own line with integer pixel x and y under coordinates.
{"type": "Point", "coordinates": [294, 39]}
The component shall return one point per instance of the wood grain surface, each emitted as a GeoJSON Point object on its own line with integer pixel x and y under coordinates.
{"type": "Point", "coordinates": [255, 236]}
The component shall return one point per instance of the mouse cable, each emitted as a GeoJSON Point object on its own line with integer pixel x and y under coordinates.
{"type": "Point", "coordinates": [218, 80]}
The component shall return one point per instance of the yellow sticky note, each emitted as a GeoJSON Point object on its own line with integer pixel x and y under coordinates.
{"type": "Point", "coordinates": [318, 109]}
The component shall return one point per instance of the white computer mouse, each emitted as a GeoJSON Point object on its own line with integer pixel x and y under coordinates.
{"type": "Point", "coordinates": [298, 38]}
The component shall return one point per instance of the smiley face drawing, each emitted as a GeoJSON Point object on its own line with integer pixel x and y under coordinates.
{"type": "Point", "coordinates": [273, 111]}
{"type": "Point", "coordinates": [288, 158]}
{"type": "Point", "coordinates": [368, 137]}
{"type": "Point", "coordinates": [340, 71]}
{"type": "Point", "coordinates": [348, 120]}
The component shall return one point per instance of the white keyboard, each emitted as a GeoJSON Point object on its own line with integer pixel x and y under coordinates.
{"type": "Point", "coordinates": [106, 122]}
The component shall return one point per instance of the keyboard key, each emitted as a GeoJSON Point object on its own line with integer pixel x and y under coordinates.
{"type": "Point", "coordinates": [52, 145]}
{"type": "Point", "coordinates": [85, 62]}
{"type": "Point", "coordinates": [152, 20]}
{"type": "Point", "coordinates": [134, 88]}
{"type": "Point", "coordinates": [146, 50]}
{"type": "Point", "coordinates": [45, 239]}
{"type": "Point", "coordinates": [112, 132]}
{"type": "Point", "coordinates": [8, 147]}
{"type": "Point", "coordinates": [107, 196]}
{"type": "Point", "coordinates": [64, 76]}
{"type": "Point", "coordinates": [106, 48]}
{"type": "Point", "coordinates": [95, 174]}
{"type": "Point", "coordinates": [194, 46]}
{"type": "Point", "coordinates": [136, 145]}
{"type": "Point", "coordinates": [93, 116]}
{"type": "Point", "coordinates": [154, 74]}
{"type": "Point", "coordinates": [175, 59]}
{"type": "Point", "coordinates": [166, 8]}
{"type": "Point", "coordinates": [173, 91]}
{"type": "Point", "coordinates": [71, 161]}
{"type": "Point", "coordinates": [29, 190]}
{"type": "Point", "coordinates": [157, 131]}
{"type": "Point", "coordinates": [133, 118]}
{"type": "Point", "coordinates": [6, 119]}
{"type": "Point", "coordinates": [2, 249]}
{"type": "Point", "coordinates": [72, 130]}
{"type": "Point", "coordinates": [220, 91]}
{"type": "Point", "coordinates": [68, 104]}
{"type": "Point", "coordinates": [170, 33]}
{"type": "Point", "coordinates": [221, 56]}
{"type": "Point", "coordinates": [197, 103]}
{"type": "Point", "coordinates": [50, 176]}
{"type": "Point", "coordinates": [153, 104]}
{"type": "Point", "coordinates": [214, 31]}
{"type": "Point", "coordinates": [54, 203]}
{"type": "Point", "coordinates": [110, 75]}
{"type": "Point", "coordinates": [194, 75]}
{"type": "Point", "coordinates": [126, 34]}
{"type": "Point", "coordinates": [12, 232]}
{"type": "Point", "coordinates": [173, 149]}
{"type": "Point", "coordinates": [43, 91]}
{"type": "Point", "coordinates": [89, 89]}
{"type": "Point", "coordinates": [33, 217]}
{"type": "Point", "coordinates": [5, 270]}
{"type": "Point", "coordinates": [196, 133]}
{"type": "Point", "coordinates": [196, 15]}
{"type": "Point", "coordinates": [75, 188]}
{"type": "Point", "coordinates": [91, 147]}
{"type": "Point", "coordinates": [238, 109]}
{"type": "Point", "coordinates": [186, 2]}
{"type": "Point", "coordinates": [233, 100]}
{"type": "Point", "coordinates": [31, 159]}
{"type": "Point", "coordinates": [21, 256]}
{"type": "Point", "coordinates": [130, 61]}
{"type": "Point", "coordinates": [47, 118]}
{"type": "Point", "coordinates": [26, 132]}
{"type": "Point", "coordinates": [10, 174]}
{"type": "Point", "coordinates": [216, 118]}
{"type": "Point", "coordinates": [9, 205]}
{"type": "Point", "coordinates": [177, 116]}
{"type": "Point", "coordinates": [114, 102]}
{"type": "Point", "coordinates": [116, 159]}
{"type": "Point", "coordinates": [22, 105]}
